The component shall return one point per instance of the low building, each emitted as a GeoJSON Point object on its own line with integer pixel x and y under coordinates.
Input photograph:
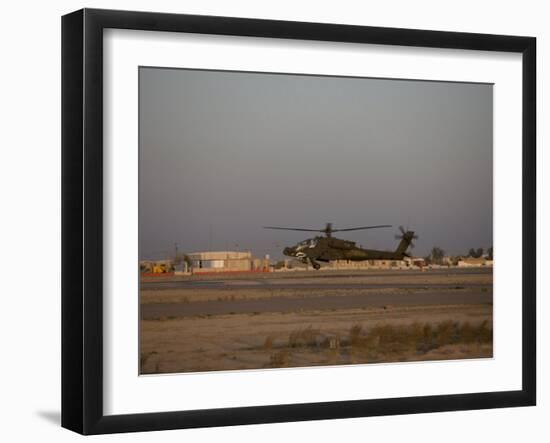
{"type": "Point", "coordinates": [227, 261]}
{"type": "Point", "coordinates": [472, 262]}
{"type": "Point", "coordinates": [417, 262]}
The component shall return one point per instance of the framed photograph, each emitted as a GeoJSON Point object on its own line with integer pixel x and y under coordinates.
{"type": "Point", "coordinates": [269, 221]}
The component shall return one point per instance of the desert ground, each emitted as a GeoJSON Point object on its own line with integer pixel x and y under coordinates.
{"type": "Point", "coordinates": [293, 319]}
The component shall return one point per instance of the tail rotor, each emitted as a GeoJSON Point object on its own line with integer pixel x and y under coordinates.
{"type": "Point", "coordinates": [407, 236]}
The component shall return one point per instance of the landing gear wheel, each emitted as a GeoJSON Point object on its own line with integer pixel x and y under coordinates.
{"type": "Point", "coordinates": [316, 266]}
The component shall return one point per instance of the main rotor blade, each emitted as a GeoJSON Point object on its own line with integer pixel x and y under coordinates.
{"type": "Point", "coordinates": [293, 229]}
{"type": "Point", "coordinates": [362, 227]}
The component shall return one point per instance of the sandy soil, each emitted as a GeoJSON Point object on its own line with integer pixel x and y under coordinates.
{"type": "Point", "coordinates": [343, 335]}
{"type": "Point", "coordinates": [246, 341]}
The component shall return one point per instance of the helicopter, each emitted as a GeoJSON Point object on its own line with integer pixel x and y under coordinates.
{"type": "Point", "coordinates": [327, 248]}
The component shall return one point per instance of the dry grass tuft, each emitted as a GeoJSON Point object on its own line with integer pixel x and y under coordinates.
{"type": "Point", "coordinates": [355, 333]}
{"type": "Point", "coordinates": [418, 338]}
{"type": "Point", "coordinates": [279, 359]}
{"type": "Point", "coordinates": [268, 343]}
{"type": "Point", "coordinates": [144, 357]}
{"type": "Point", "coordinates": [304, 337]}
{"type": "Point", "coordinates": [382, 342]}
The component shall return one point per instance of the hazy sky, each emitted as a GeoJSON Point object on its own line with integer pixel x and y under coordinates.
{"type": "Point", "coordinates": [224, 153]}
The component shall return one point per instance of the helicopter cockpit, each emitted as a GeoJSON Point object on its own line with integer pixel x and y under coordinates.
{"type": "Point", "coordinates": [309, 243]}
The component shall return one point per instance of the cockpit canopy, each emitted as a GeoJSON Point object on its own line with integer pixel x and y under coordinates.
{"type": "Point", "coordinates": [310, 243]}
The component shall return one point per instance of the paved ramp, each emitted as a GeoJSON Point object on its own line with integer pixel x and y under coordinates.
{"type": "Point", "coordinates": [294, 304]}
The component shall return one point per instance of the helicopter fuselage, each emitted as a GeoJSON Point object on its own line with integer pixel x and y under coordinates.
{"type": "Point", "coordinates": [325, 249]}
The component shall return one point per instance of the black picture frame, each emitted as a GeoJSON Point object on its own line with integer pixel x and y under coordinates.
{"type": "Point", "coordinates": [82, 218]}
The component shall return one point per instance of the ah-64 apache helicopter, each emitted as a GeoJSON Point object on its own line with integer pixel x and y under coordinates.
{"type": "Point", "coordinates": [325, 249]}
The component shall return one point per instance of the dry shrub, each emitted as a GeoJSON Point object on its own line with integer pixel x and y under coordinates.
{"type": "Point", "coordinates": [485, 333]}
{"type": "Point", "coordinates": [303, 337]}
{"type": "Point", "coordinates": [355, 334]}
{"type": "Point", "coordinates": [476, 334]}
{"type": "Point", "coordinates": [427, 339]}
{"type": "Point", "coordinates": [144, 358]}
{"type": "Point", "coordinates": [417, 332]}
{"type": "Point", "coordinates": [398, 338]}
{"type": "Point", "coordinates": [417, 337]}
{"type": "Point", "coordinates": [279, 359]}
{"type": "Point", "coordinates": [446, 333]}
{"type": "Point", "coordinates": [268, 343]}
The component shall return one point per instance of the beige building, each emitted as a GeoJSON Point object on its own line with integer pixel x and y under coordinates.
{"type": "Point", "coordinates": [470, 262]}
{"type": "Point", "coordinates": [227, 261]}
